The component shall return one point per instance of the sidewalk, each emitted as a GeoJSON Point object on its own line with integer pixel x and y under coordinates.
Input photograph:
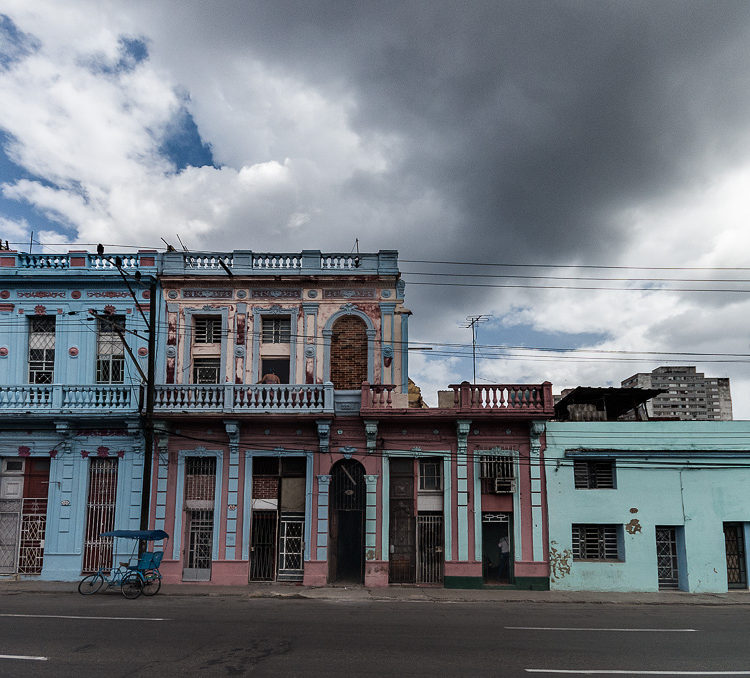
{"type": "Point", "coordinates": [406, 594]}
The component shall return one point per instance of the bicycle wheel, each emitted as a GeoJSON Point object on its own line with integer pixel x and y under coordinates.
{"type": "Point", "coordinates": [152, 585]}
{"type": "Point", "coordinates": [90, 584]}
{"type": "Point", "coordinates": [132, 586]}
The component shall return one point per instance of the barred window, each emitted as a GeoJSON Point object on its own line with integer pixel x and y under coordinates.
{"type": "Point", "coordinates": [276, 330]}
{"type": "Point", "coordinates": [596, 542]}
{"type": "Point", "coordinates": [431, 474]}
{"type": "Point", "coordinates": [110, 350]}
{"type": "Point", "coordinates": [207, 330]}
{"type": "Point", "coordinates": [206, 370]}
{"type": "Point", "coordinates": [42, 350]}
{"type": "Point", "coordinates": [200, 478]}
{"type": "Point", "coordinates": [594, 474]}
{"type": "Point", "coordinates": [492, 467]}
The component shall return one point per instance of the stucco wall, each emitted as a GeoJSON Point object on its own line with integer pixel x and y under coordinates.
{"type": "Point", "coordinates": [651, 489]}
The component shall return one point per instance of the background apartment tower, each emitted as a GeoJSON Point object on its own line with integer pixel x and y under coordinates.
{"type": "Point", "coordinates": [688, 394]}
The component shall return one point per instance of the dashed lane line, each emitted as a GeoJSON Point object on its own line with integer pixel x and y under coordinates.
{"type": "Point", "coordinates": [21, 656]}
{"type": "Point", "coordinates": [581, 628]}
{"type": "Point", "coordinates": [639, 673]}
{"type": "Point", "coordinates": [72, 616]}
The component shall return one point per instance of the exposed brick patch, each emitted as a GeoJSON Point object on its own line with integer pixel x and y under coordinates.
{"type": "Point", "coordinates": [265, 487]}
{"type": "Point", "coordinates": [349, 353]}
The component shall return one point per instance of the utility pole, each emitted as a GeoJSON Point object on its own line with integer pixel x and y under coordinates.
{"type": "Point", "coordinates": [148, 411]}
{"type": "Point", "coordinates": [472, 321]}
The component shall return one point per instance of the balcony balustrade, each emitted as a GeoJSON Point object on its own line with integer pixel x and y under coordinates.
{"type": "Point", "coordinates": [500, 399]}
{"type": "Point", "coordinates": [307, 262]}
{"type": "Point", "coordinates": [64, 398]}
{"type": "Point", "coordinates": [244, 398]}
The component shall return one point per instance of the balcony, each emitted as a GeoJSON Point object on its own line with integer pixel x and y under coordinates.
{"type": "Point", "coordinates": [76, 263]}
{"type": "Point", "coordinates": [307, 262]}
{"type": "Point", "coordinates": [244, 398]}
{"type": "Point", "coordinates": [65, 399]}
{"type": "Point", "coordinates": [503, 400]}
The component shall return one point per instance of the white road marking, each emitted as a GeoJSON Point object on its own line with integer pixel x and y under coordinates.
{"type": "Point", "coordinates": [641, 673]}
{"type": "Point", "coordinates": [581, 628]}
{"type": "Point", "coordinates": [20, 656]}
{"type": "Point", "coordinates": [71, 616]}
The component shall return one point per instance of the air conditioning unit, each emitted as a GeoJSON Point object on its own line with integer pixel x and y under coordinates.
{"type": "Point", "coordinates": [505, 485]}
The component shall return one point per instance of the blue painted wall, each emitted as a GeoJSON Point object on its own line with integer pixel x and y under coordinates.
{"type": "Point", "coordinates": [662, 478]}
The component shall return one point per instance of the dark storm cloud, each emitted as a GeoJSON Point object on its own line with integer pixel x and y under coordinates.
{"type": "Point", "coordinates": [537, 119]}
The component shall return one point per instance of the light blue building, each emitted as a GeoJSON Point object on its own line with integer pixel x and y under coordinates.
{"type": "Point", "coordinates": [644, 506]}
{"type": "Point", "coordinates": [71, 447]}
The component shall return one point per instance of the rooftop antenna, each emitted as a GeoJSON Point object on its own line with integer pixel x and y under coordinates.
{"type": "Point", "coordinates": [184, 249]}
{"type": "Point", "coordinates": [472, 321]}
{"type": "Point", "coordinates": [31, 241]}
{"type": "Point", "coordinates": [170, 248]}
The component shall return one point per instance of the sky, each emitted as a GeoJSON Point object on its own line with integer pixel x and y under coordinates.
{"type": "Point", "coordinates": [520, 156]}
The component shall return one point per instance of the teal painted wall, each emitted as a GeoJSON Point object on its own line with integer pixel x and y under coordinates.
{"type": "Point", "coordinates": [672, 488]}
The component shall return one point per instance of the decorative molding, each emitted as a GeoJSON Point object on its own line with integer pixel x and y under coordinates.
{"type": "Point", "coordinates": [388, 351]}
{"type": "Point", "coordinates": [241, 294]}
{"type": "Point", "coordinates": [386, 294]}
{"type": "Point", "coordinates": [310, 351]}
{"type": "Point", "coordinates": [276, 294]}
{"type": "Point", "coordinates": [3, 351]}
{"type": "Point", "coordinates": [347, 451]}
{"type": "Point", "coordinates": [206, 293]}
{"type": "Point", "coordinates": [349, 294]}
{"type": "Point", "coordinates": [73, 351]}
{"type": "Point", "coordinates": [324, 434]}
{"type": "Point", "coordinates": [171, 351]}
{"type": "Point", "coordinates": [173, 294]}
{"type": "Point", "coordinates": [312, 294]}
{"type": "Point", "coordinates": [371, 434]}
{"type": "Point", "coordinates": [239, 351]}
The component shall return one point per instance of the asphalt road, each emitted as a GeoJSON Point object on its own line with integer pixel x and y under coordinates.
{"type": "Point", "coordinates": [106, 635]}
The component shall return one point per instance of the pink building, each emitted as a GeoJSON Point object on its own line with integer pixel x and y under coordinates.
{"type": "Point", "coordinates": [287, 450]}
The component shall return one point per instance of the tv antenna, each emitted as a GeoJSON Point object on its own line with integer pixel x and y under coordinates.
{"type": "Point", "coordinates": [472, 321]}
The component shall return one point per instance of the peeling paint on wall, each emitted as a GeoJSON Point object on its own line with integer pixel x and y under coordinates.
{"type": "Point", "coordinates": [633, 527]}
{"type": "Point", "coordinates": [559, 561]}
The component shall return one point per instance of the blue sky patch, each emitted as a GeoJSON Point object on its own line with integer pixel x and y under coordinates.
{"type": "Point", "coordinates": [14, 44]}
{"type": "Point", "coordinates": [182, 143]}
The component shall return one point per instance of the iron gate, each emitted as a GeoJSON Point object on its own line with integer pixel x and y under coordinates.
{"type": "Point", "coordinates": [666, 558]}
{"type": "Point", "coordinates": [263, 546]}
{"type": "Point", "coordinates": [33, 525]}
{"type": "Point", "coordinates": [200, 491]}
{"type": "Point", "coordinates": [10, 518]}
{"type": "Point", "coordinates": [735, 548]}
{"type": "Point", "coordinates": [430, 556]}
{"type": "Point", "coordinates": [402, 558]}
{"type": "Point", "coordinates": [100, 514]}
{"type": "Point", "coordinates": [291, 546]}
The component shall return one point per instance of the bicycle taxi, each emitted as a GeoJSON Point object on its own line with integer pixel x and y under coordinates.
{"type": "Point", "coordinates": [138, 575]}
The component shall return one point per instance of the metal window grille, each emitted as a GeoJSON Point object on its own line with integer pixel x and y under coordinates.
{"type": "Point", "coordinates": [666, 558]}
{"type": "Point", "coordinates": [33, 525]}
{"type": "Point", "coordinates": [595, 542]}
{"type": "Point", "coordinates": [100, 514]}
{"type": "Point", "coordinates": [206, 370]}
{"type": "Point", "coordinates": [110, 351]}
{"type": "Point", "coordinates": [200, 540]}
{"type": "Point", "coordinates": [276, 330]}
{"type": "Point", "coordinates": [207, 330]}
{"type": "Point", "coordinates": [42, 350]}
{"type": "Point", "coordinates": [594, 474]}
{"type": "Point", "coordinates": [200, 480]}
{"type": "Point", "coordinates": [493, 467]}
{"type": "Point", "coordinates": [430, 556]}
{"type": "Point", "coordinates": [263, 546]}
{"type": "Point", "coordinates": [10, 517]}
{"type": "Point", "coordinates": [291, 543]}
{"type": "Point", "coordinates": [348, 486]}
{"type": "Point", "coordinates": [735, 550]}
{"type": "Point", "coordinates": [430, 474]}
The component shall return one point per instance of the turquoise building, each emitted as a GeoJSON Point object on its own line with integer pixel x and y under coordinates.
{"type": "Point", "coordinates": [647, 505]}
{"type": "Point", "coordinates": [71, 444]}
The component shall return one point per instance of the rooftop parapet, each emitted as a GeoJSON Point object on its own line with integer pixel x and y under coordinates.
{"type": "Point", "coordinates": [75, 261]}
{"type": "Point", "coordinates": [307, 262]}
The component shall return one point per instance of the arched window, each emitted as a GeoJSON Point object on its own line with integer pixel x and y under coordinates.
{"type": "Point", "coordinates": [349, 353]}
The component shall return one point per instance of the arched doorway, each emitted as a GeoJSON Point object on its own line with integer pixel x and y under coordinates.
{"type": "Point", "coordinates": [349, 353]}
{"type": "Point", "coordinates": [346, 522]}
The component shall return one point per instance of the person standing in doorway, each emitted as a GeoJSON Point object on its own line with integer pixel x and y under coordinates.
{"type": "Point", "coordinates": [503, 546]}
